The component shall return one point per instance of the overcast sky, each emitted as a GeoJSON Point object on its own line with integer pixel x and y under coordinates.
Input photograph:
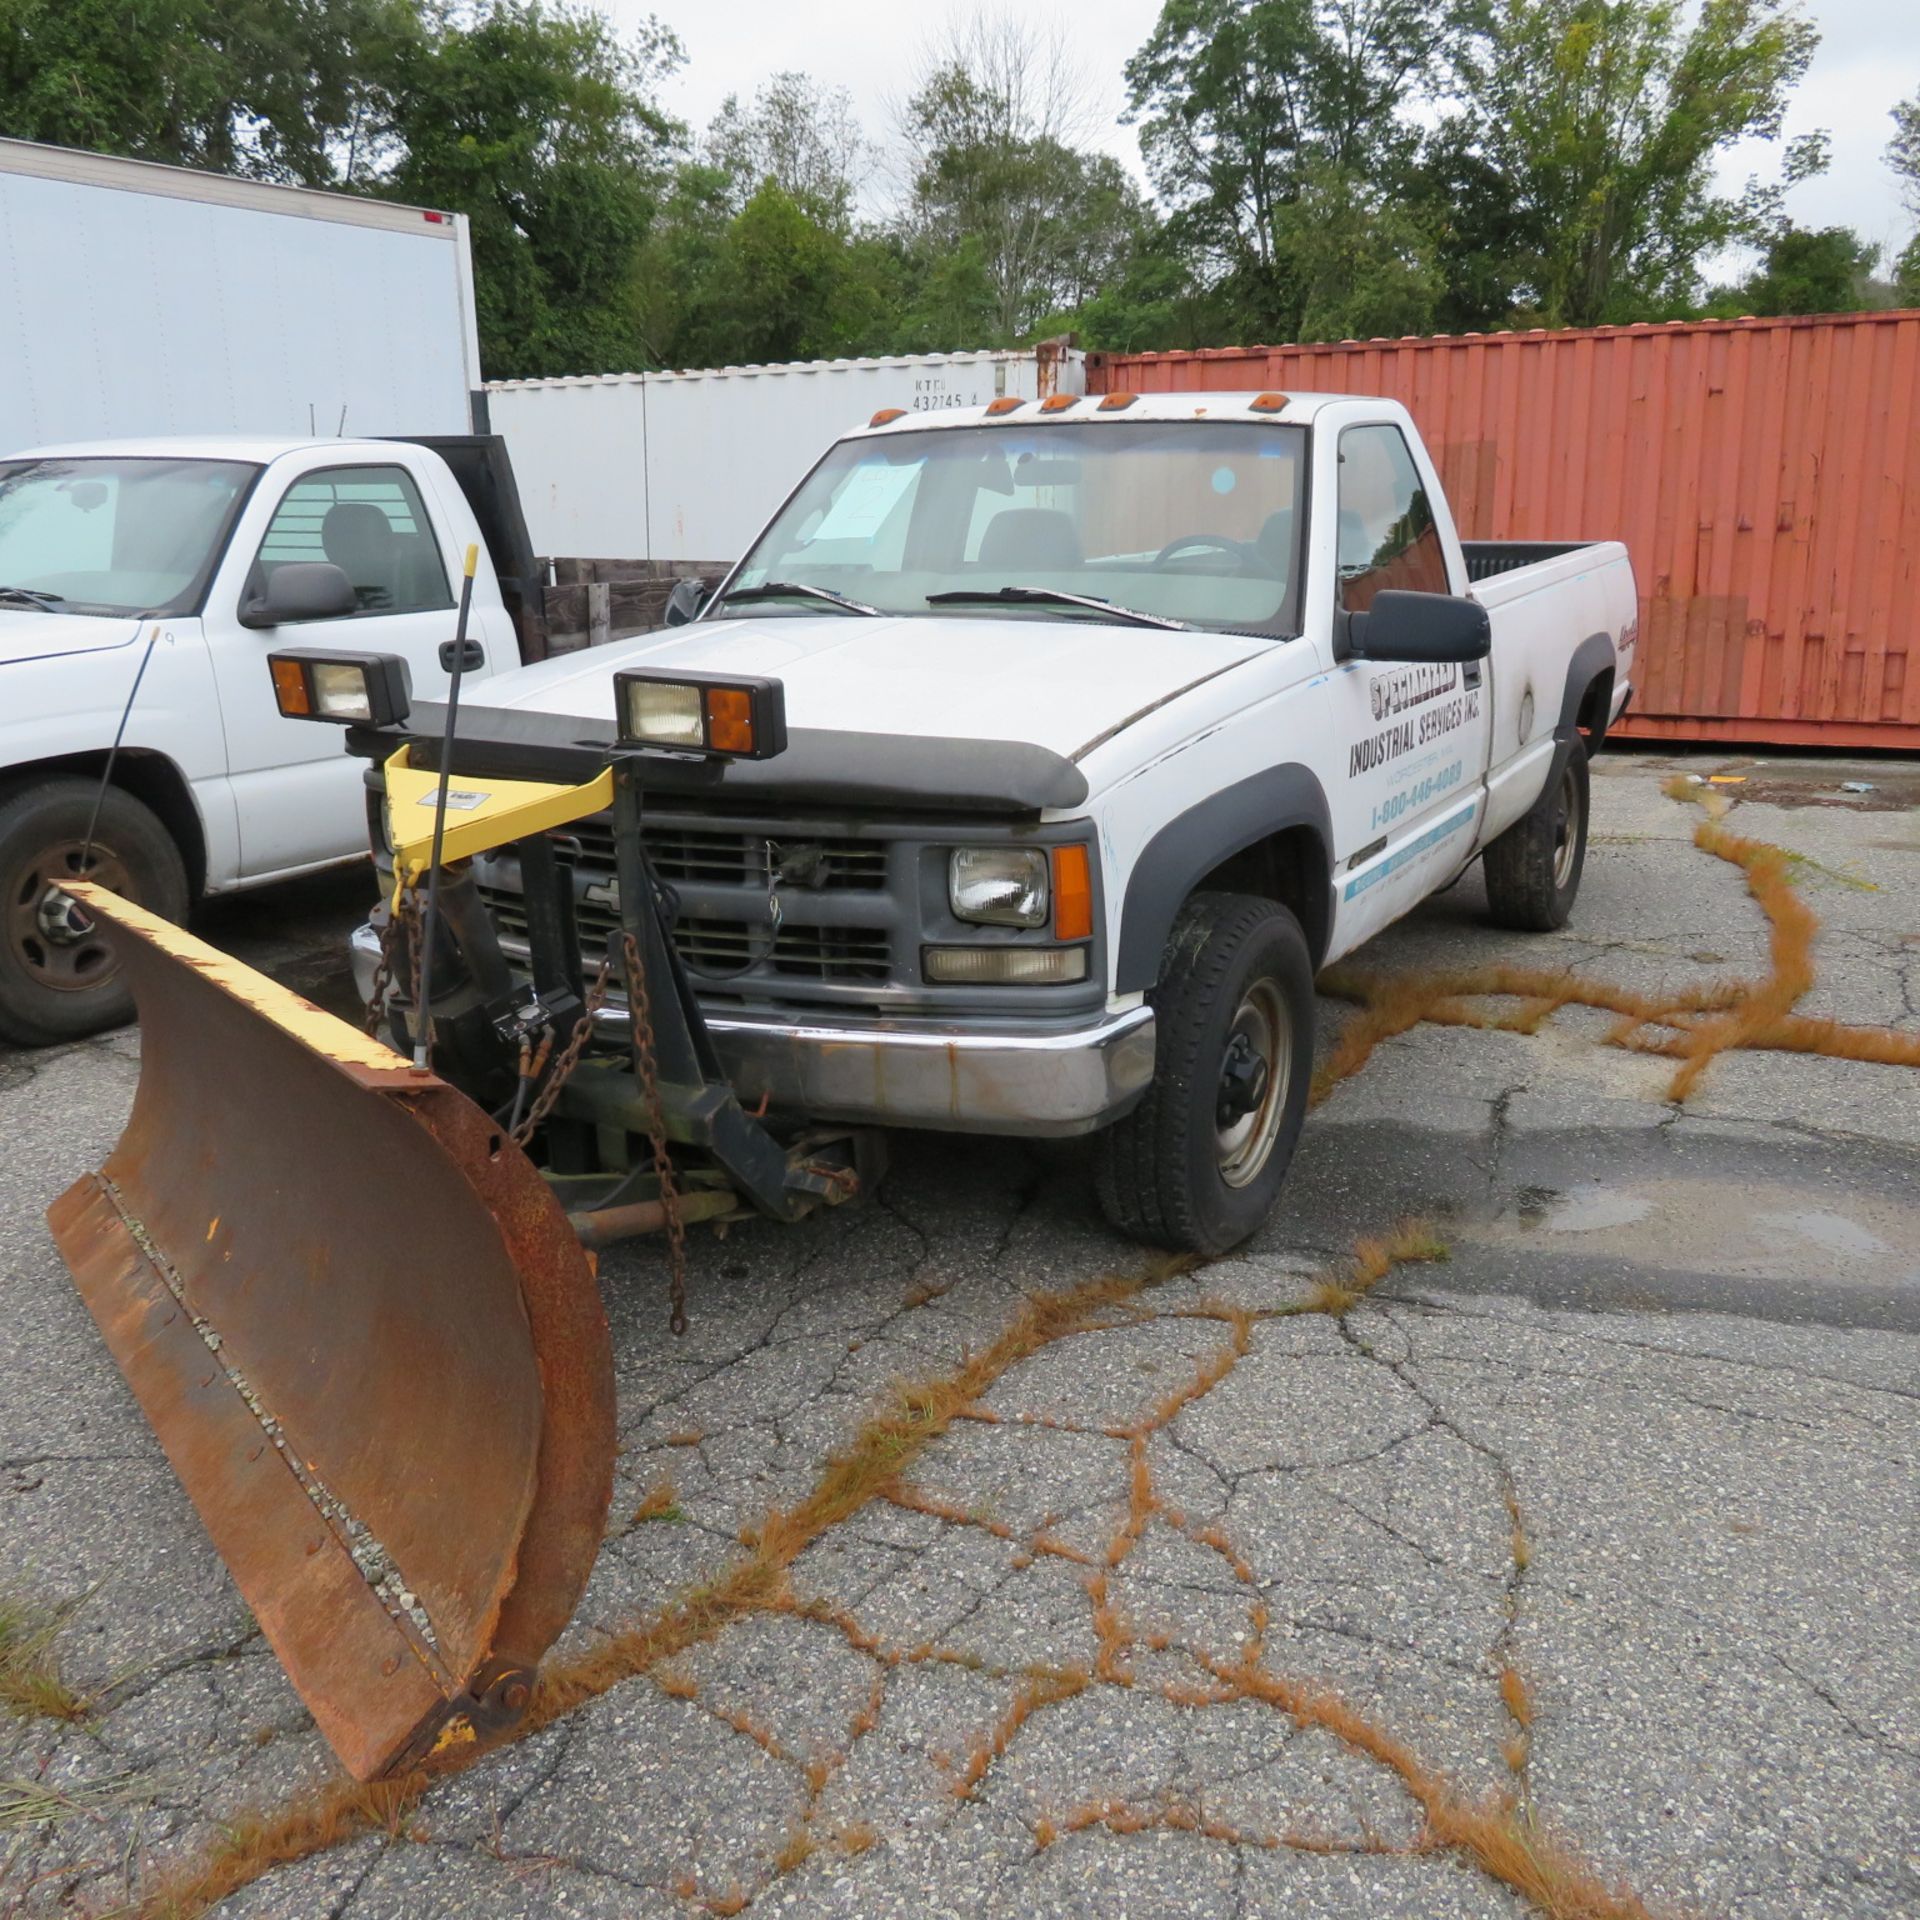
{"type": "Point", "coordinates": [1869, 57]}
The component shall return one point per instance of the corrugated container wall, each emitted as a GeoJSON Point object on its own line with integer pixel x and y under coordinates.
{"type": "Point", "coordinates": [1764, 473]}
{"type": "Point", "coordinates": [690, 466]}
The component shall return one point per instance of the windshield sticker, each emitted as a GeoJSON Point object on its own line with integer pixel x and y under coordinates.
{"type": "Point", "coordinates": [1225, 479]}
{"type": "Point", "coordinates": [873, 490]}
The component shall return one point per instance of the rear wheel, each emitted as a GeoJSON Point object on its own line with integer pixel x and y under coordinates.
{"type": "Point", "coordinates": [59, 978]}
{"type": "Point", "coordinates": [1533, 869]}
{"type": "Point", "coordinates": [1198, 1164]}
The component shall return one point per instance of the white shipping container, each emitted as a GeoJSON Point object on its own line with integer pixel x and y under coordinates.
{"type": "Point", "coordinates": [145, 299]}
{"type": "Point", "coordinates": [690, 466]}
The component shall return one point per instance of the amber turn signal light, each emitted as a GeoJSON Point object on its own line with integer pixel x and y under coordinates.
{"type": "Point", "coordinates": [1072, 893]}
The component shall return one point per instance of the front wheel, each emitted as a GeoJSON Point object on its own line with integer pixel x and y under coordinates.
{"type": "Point", "coordinates": [1533, 870]}
{"type": "Point", "coordinates": [1198, 1164]}
{"type": "Point", "coordinates": [59, 977]}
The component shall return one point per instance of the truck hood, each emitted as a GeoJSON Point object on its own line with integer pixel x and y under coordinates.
{"type": "Point", "coordinates": [26, 635]}
{"type": "Point", "coordinates": [1062, 684]}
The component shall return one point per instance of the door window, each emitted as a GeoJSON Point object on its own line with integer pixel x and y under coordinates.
{"type": "Point", "coordinates": [370, 523]}
{"type": "Point", "coordinates": [1387, 533]}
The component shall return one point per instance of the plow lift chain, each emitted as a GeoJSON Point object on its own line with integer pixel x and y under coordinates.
{"type": "Point", "coordinates": [534, 1058]}
{"type": "Point", "coordinates": [498, 1031]}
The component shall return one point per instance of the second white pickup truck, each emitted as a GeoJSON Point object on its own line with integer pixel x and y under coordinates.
{"type": "Point", "coordinates": [1108, 721]}
{"type": "Point", "coordinates": [173, 566]}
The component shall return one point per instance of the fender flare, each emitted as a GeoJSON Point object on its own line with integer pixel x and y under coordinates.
{"type": "Point", "coordinates": [150, 775]}
{"type": "Point", "coordinates": [1594, 656]}
{"type": "Point", "coordinates": [1192, 844]}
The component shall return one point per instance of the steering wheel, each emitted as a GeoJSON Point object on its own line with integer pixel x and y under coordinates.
{"type": "Point", "coordinates": [1249, 559]}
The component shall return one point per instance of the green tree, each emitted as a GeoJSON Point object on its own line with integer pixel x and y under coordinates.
{"type": "Point", "coordinates": [782, 283]}
{"type": "Point", "coordinates": [285, 90]}
{"type": "Point", "coordinates": [1601, 119]}
{"type": "Point", "coordinates": [1278, 133]}
{"type": "Point", "coordinates": [1013, 219]}
{"type": "Point", "coordinates": [539, 125]}
{"type": "Point", "coordinates": [1903, 156]}
{"type": "Point", "coordinates": [670, 279]}
{"type": "Point", "coordinates": [1482, 243]}
{"type": "Point", "coordinates": [800, 135]}
{"type": "Point", "coordinates": [1153, 303]}
{"type": "Point", "coordinates": [1811, 270]}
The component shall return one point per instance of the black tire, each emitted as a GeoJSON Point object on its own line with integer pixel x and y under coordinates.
{"type": "Point", "coordinates": [1533, 869]}
{"type": "Point", "coordinates": [1170, 1173]}
{"type": "Point", "coordinates": [58, 983]}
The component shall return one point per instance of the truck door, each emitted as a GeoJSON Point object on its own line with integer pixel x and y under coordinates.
{"type": "Point", "coordinates": [300, 798]}
{"type": "Point", "coordinates": [1413, 739]}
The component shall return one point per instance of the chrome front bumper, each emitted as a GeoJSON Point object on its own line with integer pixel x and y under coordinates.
{"type": "Point", "coordinates": [951, 1079]}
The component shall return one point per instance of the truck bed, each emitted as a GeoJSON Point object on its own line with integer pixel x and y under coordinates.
{"type": "Point", "coordinates": [1488, 558]}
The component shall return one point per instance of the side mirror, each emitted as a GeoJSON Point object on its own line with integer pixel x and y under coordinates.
{"type": "Point", "coordinates": [300, 590]}
{"type": "Point", "coordinates": [1419, 629]}
{"type": "Point", "coordinates": [685, 601]}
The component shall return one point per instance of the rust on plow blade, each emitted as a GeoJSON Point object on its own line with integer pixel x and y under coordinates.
{"type": "Point", "coordinates": [366, 1337]}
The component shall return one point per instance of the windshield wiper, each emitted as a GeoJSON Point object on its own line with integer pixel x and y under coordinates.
{"type": "Point", "coordinates": [1050, 597]}
{"type": "Point", "coordinates": [786, 589]}
{"type": "Point", "coordinates": [33, 596]}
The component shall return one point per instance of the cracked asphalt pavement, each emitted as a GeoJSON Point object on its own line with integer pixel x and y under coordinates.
{"type": "Point", "coordinates": [1615, 1514]}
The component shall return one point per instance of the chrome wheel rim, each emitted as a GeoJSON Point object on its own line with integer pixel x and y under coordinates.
{"type": "Point", "coordinates": [1256, 1068]}
{"type": "Point", "coordinates": [1566, 829]}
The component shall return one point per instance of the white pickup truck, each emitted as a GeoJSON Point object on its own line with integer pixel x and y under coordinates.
{"type": "Point", "coordinates": [179, 564]}
{"type": "Point", "coordinates": [1109, 720]}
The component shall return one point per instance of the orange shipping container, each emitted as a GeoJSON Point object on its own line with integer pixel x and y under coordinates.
{"type": "Point", "coordinates": [1764, 473]}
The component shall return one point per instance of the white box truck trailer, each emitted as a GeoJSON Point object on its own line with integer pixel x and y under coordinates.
{"type": "Point", "coordinates": [688, 466]}
{"type": "Point", "coordinates": [159, 300]}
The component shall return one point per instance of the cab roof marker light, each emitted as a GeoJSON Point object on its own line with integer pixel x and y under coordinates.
{"type": "Point", "coordinates": [1269, 403]}
{"type": "Point", "coordinates": [1113, 402]}
{"type": "Point", "coordinates": [886, 415]}
{"type": "Point", "coordinates": [1058, 402]}
{"type": "Point", "coordinates": [1007, 403]}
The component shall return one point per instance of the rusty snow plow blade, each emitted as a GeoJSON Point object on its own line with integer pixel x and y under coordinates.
{"type": "Point", "coordinates": [367, 1339]}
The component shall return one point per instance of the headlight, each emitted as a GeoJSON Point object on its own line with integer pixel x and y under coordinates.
{"type": "Point", "coordinates": [998, 886]}
{"type": "Point", "coordinates": [665, 715]}
{"type": "Point", "coordinates": [350, 689]}
{"type": "Point", "coordinates": [733, 714]}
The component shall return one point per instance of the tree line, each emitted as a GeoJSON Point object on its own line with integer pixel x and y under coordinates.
{"type": "Point", "coordinates": [1319, 169]}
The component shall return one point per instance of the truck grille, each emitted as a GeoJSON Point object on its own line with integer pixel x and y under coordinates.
{"type": "Point", "coordinates": [718, 865]}
{"type": "Point", "coordinates": [721, 949]}
{"type": "Point", "coordinates": [732, 857]}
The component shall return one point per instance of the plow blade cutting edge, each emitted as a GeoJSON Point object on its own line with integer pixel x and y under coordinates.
{"type": "Point", "coordinates": [366, 1337]}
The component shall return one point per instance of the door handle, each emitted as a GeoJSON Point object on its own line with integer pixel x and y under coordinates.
{"type": "Point", "coordinates": [475, 656]}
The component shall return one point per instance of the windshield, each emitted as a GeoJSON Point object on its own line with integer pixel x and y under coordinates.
{"type": "Point", "coordinates": [1192, 522]}
{"type": "Point", "coordinates": [115, 536]}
